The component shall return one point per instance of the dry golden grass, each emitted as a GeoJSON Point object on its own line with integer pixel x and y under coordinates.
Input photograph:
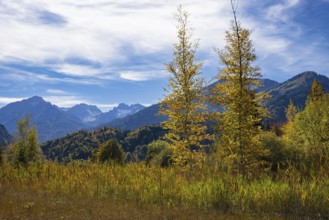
{"type": "Point", "coordinates": [28, 203]}
{"type": "Point", "coordinates": [93, 191]}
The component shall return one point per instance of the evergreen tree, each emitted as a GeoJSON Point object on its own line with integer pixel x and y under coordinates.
{"type": "Point", "coordinates": [25, 149]}
{"type": "Point", "coordinates": [184, 104]}
{"type": "Point", "coordinates": [240, 122]}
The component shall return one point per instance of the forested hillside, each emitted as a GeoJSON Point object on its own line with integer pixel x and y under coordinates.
{"type": "Point", "coordinates": [81, 145]}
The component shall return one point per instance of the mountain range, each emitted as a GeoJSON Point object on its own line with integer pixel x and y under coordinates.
{"type": "Point", "coordinates": [52, 121]}
{"type": "Point", "coordinates": [295, 89]}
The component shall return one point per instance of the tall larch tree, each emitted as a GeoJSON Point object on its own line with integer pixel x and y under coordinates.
{"type": "Point", "coordinates": [238, 148]}
{"type": "Point", "coordinates": [184, 103]}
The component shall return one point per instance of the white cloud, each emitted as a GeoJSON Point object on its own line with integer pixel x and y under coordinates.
{"type": "Point", "coordinates": [61, 99]}
{"type": "Point", "coordinates": [6, 100]}
{"type": "Point", "coordinates": [56, 92]}
{"type": "Point", "coordinates": [65, 100]}
{"type": "Point", "coordinates": [106, 107]}
{"type": "Point", "coordinates": [95, 33]}
{"type": "Point", "coordinates": [104, 32]}
{"type": "Point", "coordinates": [112, 35]}
{"type": "Point", "coordinates": [141, 76]}
{"type": "Point", "coordinates": [279, 11]}
{"type": "Point", "coordinates": [16, 76]}
{"type": "Point", "coordinates": [83, 71]}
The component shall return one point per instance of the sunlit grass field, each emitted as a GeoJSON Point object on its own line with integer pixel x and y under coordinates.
{"type": "Point", "coordinates": [84, 190]}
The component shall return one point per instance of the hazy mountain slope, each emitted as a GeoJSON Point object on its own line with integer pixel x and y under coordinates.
{"type": "Point", "coordinates": [296, 89]}
{"type": "Point", "coordinates": [53, 122]}
{"type": "Point", "coordinates": [86, 113]}
{"type": "Point", "coordinates": [5, 137]}
{"type": "Point", "coordinates": [50, 121]}
{"type": "Point", "coordinates": [121, 111]}
{"type": "Point", "coordinates": [147, 116]}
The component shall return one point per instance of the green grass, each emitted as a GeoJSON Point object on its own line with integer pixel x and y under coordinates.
{"type": "Point", "coordinates": [94, 191]}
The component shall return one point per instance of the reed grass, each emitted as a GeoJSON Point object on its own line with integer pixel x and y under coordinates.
{"type": "Point", "coordinates": [79, 184]}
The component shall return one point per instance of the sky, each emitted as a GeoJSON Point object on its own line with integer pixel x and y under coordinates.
{"type": "Point", "coordinates": [105, 52]}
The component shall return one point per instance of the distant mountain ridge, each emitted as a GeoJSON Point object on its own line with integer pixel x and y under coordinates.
{"type": "Point", "coordinates": [297, 89]}
{"type": "Point", "coordinates": [147, 116]}
{"type": "Point", "coordinates": [53, 122]}
{"type": "Point", "coordinates": [121, 111]}
{"type": "Point", "coordinates": [150, 116]}
{"type": "Point", "coordinates": [86, 113]}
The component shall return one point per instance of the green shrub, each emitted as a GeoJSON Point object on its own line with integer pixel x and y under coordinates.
{"type": "Point", "coordinates": [159, 154]}
{"type": "Point", "coordinates": [110, 151]}
{"type": "Point", "coordinates": [277, 156]}
{"type": "Point", "coordinates": [282, 153]}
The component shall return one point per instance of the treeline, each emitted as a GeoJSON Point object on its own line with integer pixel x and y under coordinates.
{"type": "Point", "coordinates": [83, 145]}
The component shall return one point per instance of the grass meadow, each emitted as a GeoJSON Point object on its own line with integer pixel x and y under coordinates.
{"type": "Point", "coordinates": [85, 190]}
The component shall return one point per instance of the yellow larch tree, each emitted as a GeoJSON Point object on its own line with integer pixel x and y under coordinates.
{"type": "Point", "coordinates": [184, 103]}
{"type": "Point", "coordinates": [238, 148]}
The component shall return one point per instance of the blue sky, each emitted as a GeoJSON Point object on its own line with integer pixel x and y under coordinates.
{"type": "Point", "coordinates": [104, 52]}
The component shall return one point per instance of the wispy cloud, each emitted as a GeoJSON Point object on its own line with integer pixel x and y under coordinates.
{"type": "Point", "coordinates": [84, 71]}
{"type": "Point", "coordinates": [142, 76]}
{"type": "Point", "coordinates": [93, 41]}
{"type": "Point", "coordinates": [30, 75]}
{"type": "Point", "coordinates": [106, 107]}
{"type": "Point", "coordinates": [56, 92]}
{"type": "Point", "coordinates": [6, 100]}
{"type": "Point", "coordinates": [99, 31]}
{"type": "Point", "coordinates": [61, 99]}
{"type": "Point", "coordinates": [65, 100]}
{"type": "Point", "coordinates": [280, 11]}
